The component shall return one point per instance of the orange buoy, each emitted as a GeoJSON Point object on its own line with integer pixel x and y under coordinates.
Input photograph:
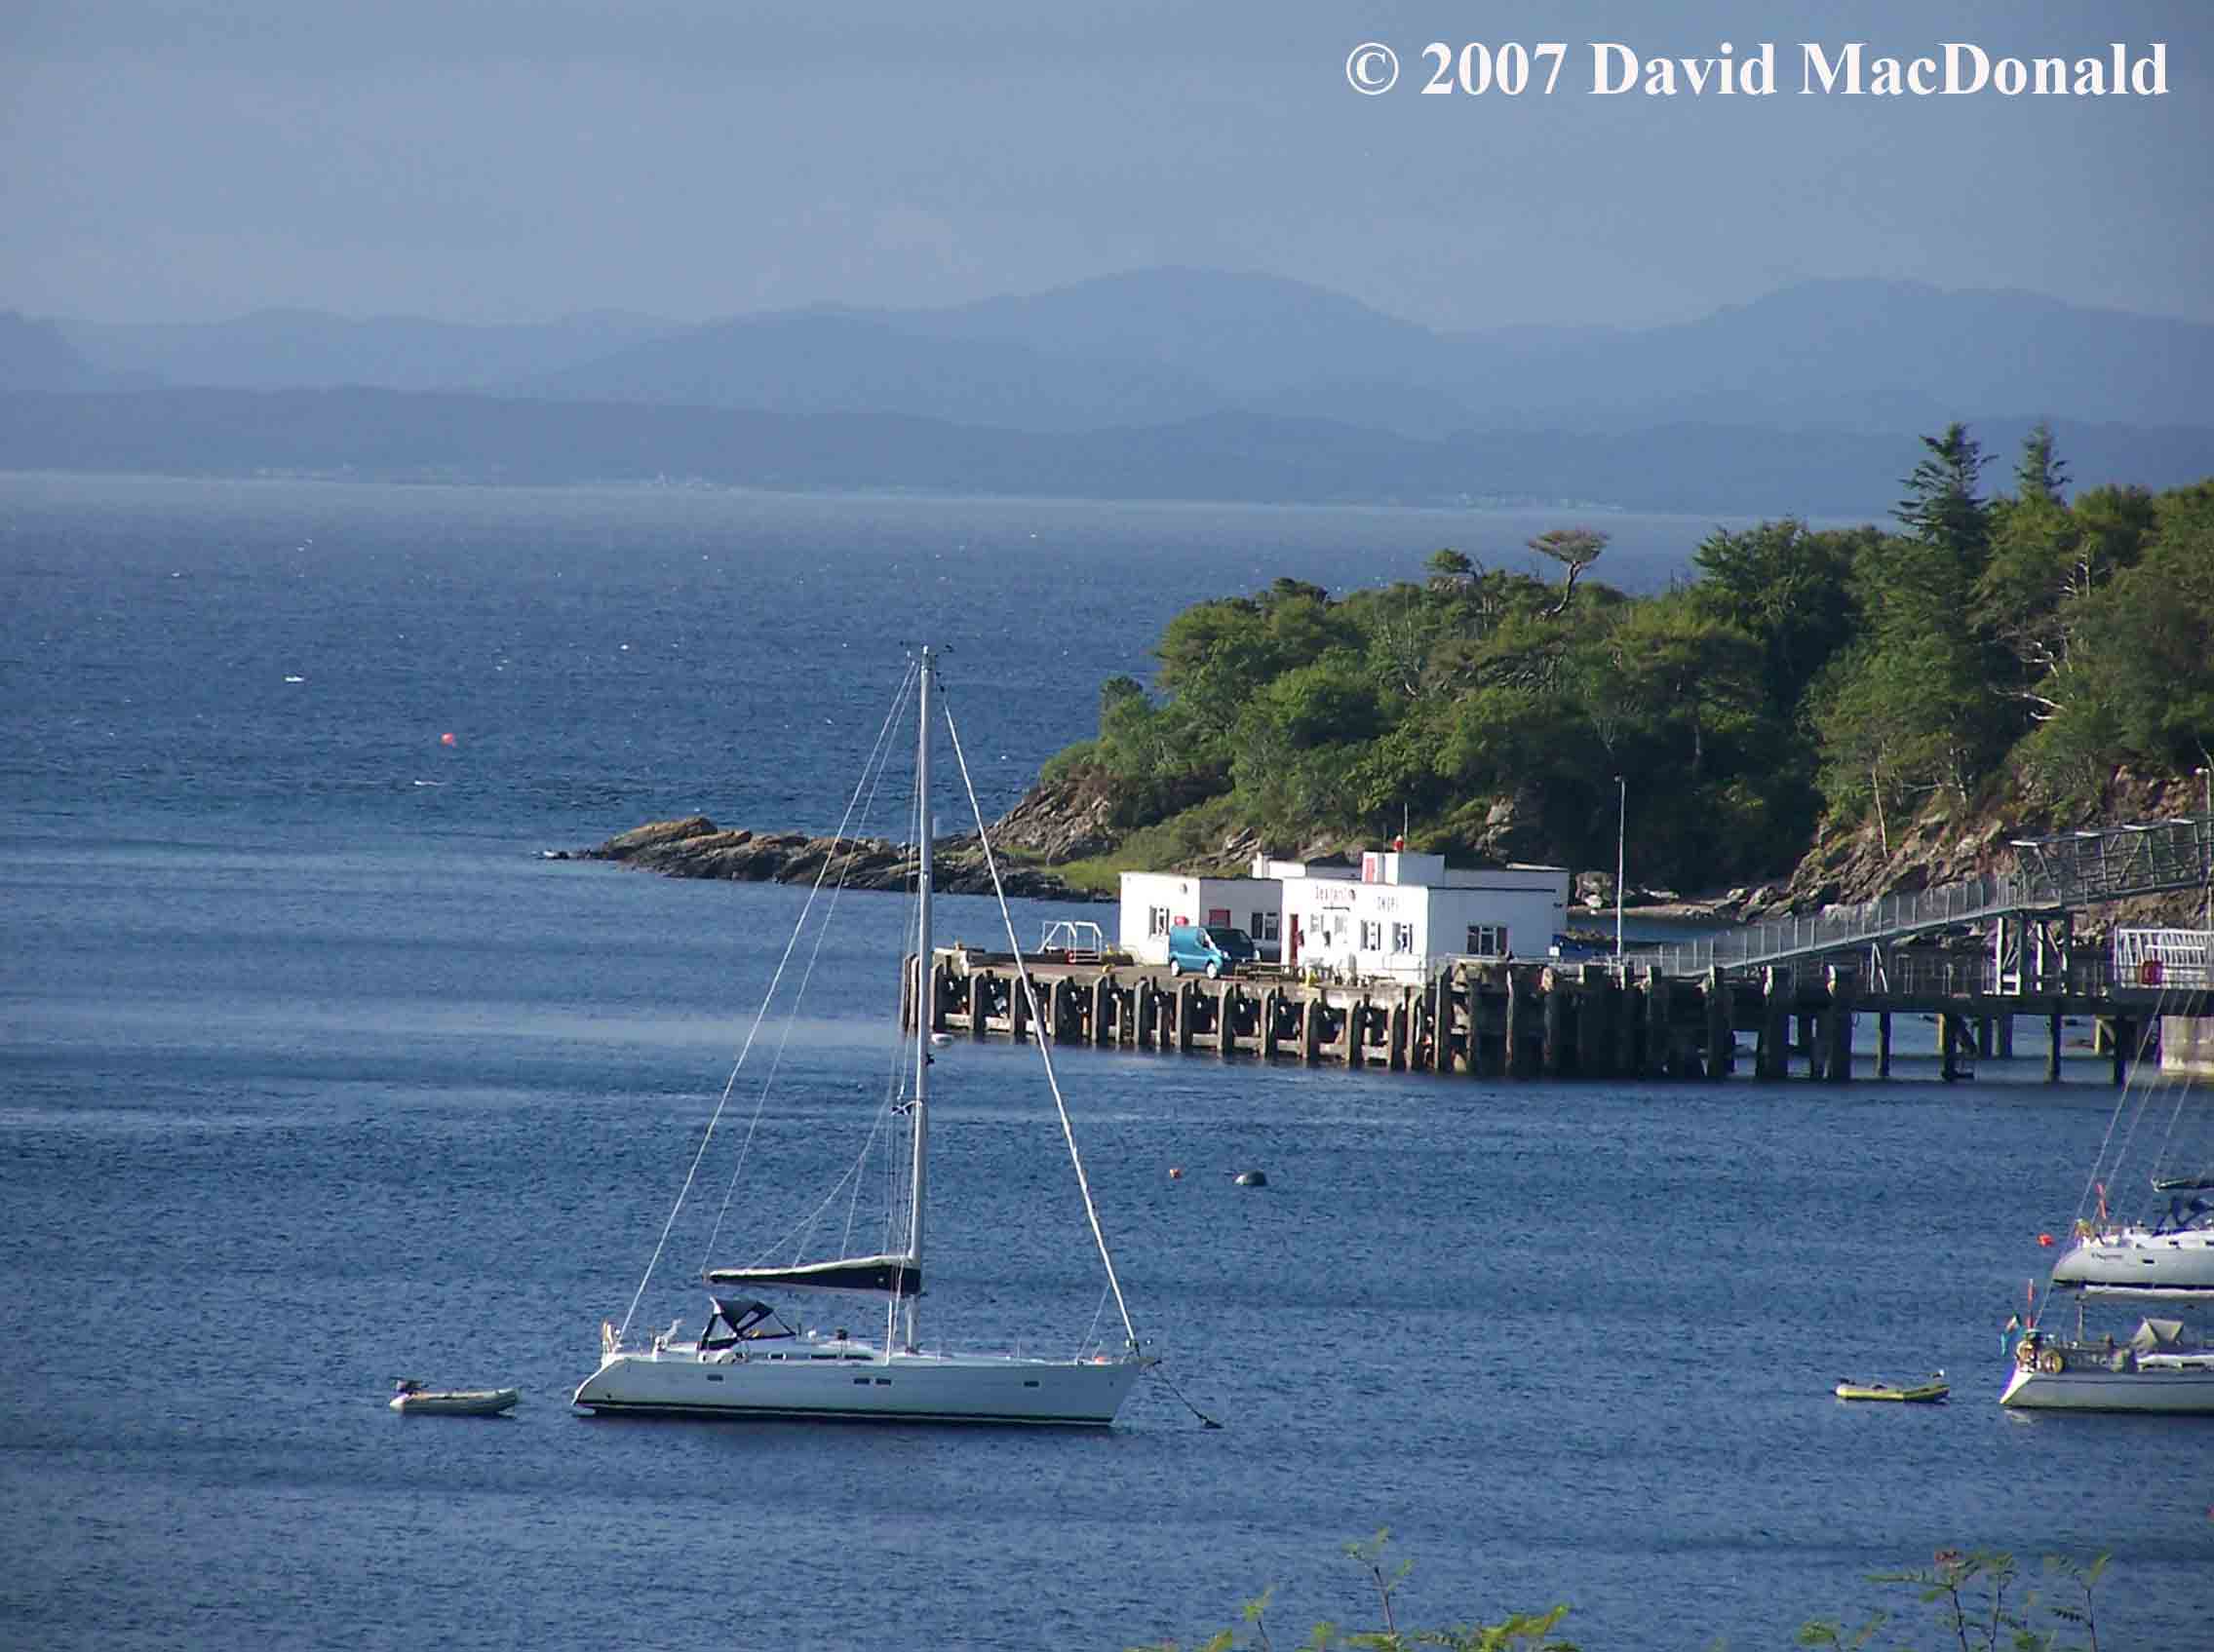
{"type": "Point", "coordinates": [2045, 1239]}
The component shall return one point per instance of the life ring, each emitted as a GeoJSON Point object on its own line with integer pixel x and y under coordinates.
{"type": "Point", "coordinates": [2050, 1361]}
{"type": "Point", "coordinates": [2148, 972]}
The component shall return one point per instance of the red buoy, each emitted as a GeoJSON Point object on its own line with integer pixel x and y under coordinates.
{"type": "Point", "coordinates": [445, 740]}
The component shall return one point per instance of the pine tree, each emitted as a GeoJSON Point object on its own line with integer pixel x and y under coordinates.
{"type": "Point", "coordinates": [2039, 476]}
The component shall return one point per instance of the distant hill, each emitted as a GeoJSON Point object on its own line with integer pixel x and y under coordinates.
{"type": "Point", "coordinates": [1229, 455]}
{"type": "Point", "coordinates": [35, 355]}
{"type": "Point", "coordinates": [1163, 384]}
{"type": "Point", "coordinates": [1865, 354]}
{"type": "Point", "coordinates": [297, 349]}
{"type": "Point", "coordinates": [1161, 346]}
{"type": "Point", "coordinates": [824, 361]}
{"type": "Point", "coordinates": [1152, 346]}
{"type": "Point", "coordinates": [1247, 334]}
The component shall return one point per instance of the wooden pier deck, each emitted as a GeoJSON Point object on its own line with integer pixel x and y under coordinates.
{"type": "Point", "coordinates": [1515, 1020]}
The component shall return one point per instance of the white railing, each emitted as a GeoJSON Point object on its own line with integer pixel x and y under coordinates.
{"type": "Point", "coordinates": [2168, 959]}
{"type": "Point", "coordinates": [1074, 936]}
{"type": "Point", "coordinates": [1840, 929]}
{"type": "Point", "coordinates": [2059, 873]}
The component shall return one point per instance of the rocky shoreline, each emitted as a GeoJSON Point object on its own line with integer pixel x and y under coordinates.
{"type": "Point", "coordinates": [1054, 825]}
{"type": "Point", "coordinates": [696, 847]}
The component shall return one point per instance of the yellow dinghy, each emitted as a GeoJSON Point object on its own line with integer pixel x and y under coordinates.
{"type": "Point", "coordinates": [1924, 1394]}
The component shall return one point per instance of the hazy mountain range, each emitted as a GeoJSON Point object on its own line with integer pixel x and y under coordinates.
{"type": "Point", "coordinates": [1163, 383]}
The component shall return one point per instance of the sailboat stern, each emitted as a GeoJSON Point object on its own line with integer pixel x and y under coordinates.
{"type": "Point", "coordinates": [2153, 1372]}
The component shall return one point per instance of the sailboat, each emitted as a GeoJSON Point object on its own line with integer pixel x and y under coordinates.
{"type": "Point", "coordinates": [2164, 1259]}
{"type": "Point", "coordinates": [754, 1360]}
{"type": "Point", "coordinates": [2164, 1255]}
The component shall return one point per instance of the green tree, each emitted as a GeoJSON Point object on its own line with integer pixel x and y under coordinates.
{"type": "Point", "coordinates": [1299, 742]}
{"type": "Point", "coordinates": [1449, 569]}
{"type": "Point", "coordinates": [1576, 549]}
{"type": "Point", "coordinates": [1944, 506]}
{"type": "Point", "coordinates": [1919, 705]}
{"type": "Point", "coordinates": [2146, 651]}
{"type": "Point", "coordinates": [1789, 587]}
{"type": "Point", "coordinates": [1883, 741]}
{"type": "Point", "coordinates": [1690, 678]}
{"type": "Point", "coordinates": [2039, 476]}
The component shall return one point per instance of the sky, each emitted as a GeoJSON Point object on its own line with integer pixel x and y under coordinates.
{"type": "Point", "coordinates": [520, 160]}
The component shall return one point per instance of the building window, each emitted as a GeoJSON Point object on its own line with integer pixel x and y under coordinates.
{"type": "Point", "coordinates": [1218, 915]}
{"type": "Point", "coordinates": [1403, 937]}
{"type": "Point", "coordinates": [1156, 921]}
{"type": "Point", "coordinates": [1488, 940]}
{"type": "Point", "coordinates": [1371, 935]}
{"type": "Point", "coordinates": [1265, 926]}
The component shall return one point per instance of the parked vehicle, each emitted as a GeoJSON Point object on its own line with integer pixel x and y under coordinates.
{"type": "Point", "coordinates": [1212, 950]}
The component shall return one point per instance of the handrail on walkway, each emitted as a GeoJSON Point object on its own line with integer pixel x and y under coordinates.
{"type": "Point", "coordinates": [2058, 874]}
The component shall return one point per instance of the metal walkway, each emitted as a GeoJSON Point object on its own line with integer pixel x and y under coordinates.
{"type": "Point", "coordinates": [2059, 875]}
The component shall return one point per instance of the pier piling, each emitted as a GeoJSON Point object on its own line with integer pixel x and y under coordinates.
{"type": "Point", "coordinates": [1501, 1018]}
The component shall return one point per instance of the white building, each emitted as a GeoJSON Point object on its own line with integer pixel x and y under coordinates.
{"type": "Point", "coordinates": [1152, 902]}
{"type": "Point", "coordinates": [1405, 915]}
{"type": "Point", "coordinates": [1397, 915]}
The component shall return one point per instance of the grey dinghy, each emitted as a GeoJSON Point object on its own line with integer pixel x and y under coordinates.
{"type": "Point", "coordinates": [413, 1399]}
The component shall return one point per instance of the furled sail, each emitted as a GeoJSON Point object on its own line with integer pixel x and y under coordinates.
{"type": "Point", "coordinates": [885, 1276]}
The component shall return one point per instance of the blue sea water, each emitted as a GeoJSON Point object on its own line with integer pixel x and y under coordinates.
{"type": "Point", "coordinates": [312, 1074]}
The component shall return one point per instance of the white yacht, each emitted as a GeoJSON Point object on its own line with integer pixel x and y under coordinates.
{"type": "Point", "coordinates": [754, 1360]}
{"type": "Point", "coordinates": [2165, 1255]}
{"type": "Point", "coordinates": [2156, 1369]}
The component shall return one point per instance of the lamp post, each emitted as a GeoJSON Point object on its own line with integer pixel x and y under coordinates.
{"type": "Point", "coordinates": [1622, 824]}
{"type": "Point", "coordinates": [2206, 840]}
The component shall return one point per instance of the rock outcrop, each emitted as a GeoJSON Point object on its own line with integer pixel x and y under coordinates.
{"type": "Point", "coordinates": [696, 847]}
{"type": "Point", "coordinates": [1059, 824]}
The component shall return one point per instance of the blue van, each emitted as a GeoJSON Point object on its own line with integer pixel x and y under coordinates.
{"type": "Point", "coordinates": [1212, 950]}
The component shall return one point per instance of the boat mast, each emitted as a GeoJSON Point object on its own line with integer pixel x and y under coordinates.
{"type": "Point", "coordinates": [918, 1175]}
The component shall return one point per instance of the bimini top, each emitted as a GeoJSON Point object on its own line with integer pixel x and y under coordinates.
{"type": "Point", "coordinates": [741, 1319]}
{"type": "Point", "coordinates": [884, 1276]}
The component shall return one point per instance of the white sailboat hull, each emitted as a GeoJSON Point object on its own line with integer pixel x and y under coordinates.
{"type": "Point", "coordinates": [2174, 1384]}
{"type": "Point", "coordinates": [863, 1386]}
{"type": "Point", "coordinates": [2134, 1261]}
